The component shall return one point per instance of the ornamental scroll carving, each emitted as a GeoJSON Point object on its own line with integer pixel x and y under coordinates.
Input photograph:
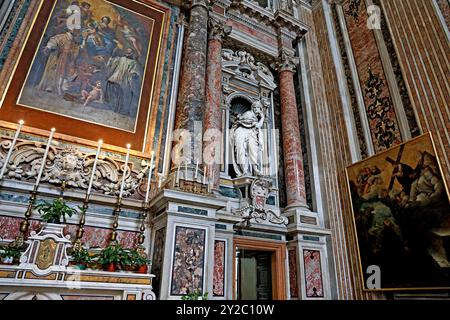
{"type": "Point", "coordinates": [256, 210]}
{"type": "Point", "coordinates": [243, 64]}
{"type": "Point", "coordinates": [73, 166]}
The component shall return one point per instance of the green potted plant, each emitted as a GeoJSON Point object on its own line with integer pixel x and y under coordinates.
{"type": "Point", "coordinates": [139, 262]}
{"type": "Point", "coordinates": [111, 257]}
{"type": "Point", "coordinates": [10, 254]}
{"type": "Point", "coordinates": [195, 295]}
{"type": "Point", "coordinates": [127, 260]}
{"type": "Point", "coordinates": [81, 258]}
{"type": "Point", "coordinates": [52, 212]}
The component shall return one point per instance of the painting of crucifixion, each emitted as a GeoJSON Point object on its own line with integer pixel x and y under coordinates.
{"type": "Point", "coordinates": [401, 211]}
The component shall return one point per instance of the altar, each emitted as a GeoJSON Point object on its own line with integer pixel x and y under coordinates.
{"type": "Point", "coordinates": [44, 273]}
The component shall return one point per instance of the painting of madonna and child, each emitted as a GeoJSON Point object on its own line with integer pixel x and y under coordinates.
{"type": "Point", "coordinates": [402, 216]}
{"type": "Point", "coordinates": [91, 70]}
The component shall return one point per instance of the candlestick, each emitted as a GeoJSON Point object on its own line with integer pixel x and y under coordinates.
{"type": "Point", "coordinates": [150, 170]}
{"type": "Point", "coordinates": [8, 156]}
{"type": "Point", "coordinates": [94, 167]}
{"type": "Point", "coordinates": [196, 170]}
{"type": "Point", "coordinates": [41, 169]}
{"type": "Point", "coordinates": [125, 171]}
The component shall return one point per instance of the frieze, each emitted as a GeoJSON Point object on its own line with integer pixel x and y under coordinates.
{"type": "Point", "coordinates": [73, 166]}
{"type": "Point", "coordinates": [283, 17]}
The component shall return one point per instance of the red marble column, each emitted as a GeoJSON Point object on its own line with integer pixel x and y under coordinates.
{"type": "Point", "coordinates": [191, 95]}
{"type": "Point", "coordinates": [293, 158]}
{"type": "Point", "coordinates": [212, 123]}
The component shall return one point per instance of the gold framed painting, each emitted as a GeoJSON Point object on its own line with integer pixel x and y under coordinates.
{"type": "Point", "coordinates": [401, 214]}
{"type": "Point", "coordinates": [90, 69]}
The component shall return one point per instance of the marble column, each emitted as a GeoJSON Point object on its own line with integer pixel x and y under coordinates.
{"type": "Point", "coordinates": [191, 95]}
{"type": "Point", "coordinates": [292, 149]}
{"type": "Point", "coordinates": [213, 115]}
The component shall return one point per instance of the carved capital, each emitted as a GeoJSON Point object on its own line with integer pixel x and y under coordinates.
{"type": "Point", "coordinates": [203, 3]}
{"type": "Point", "coordinates": [217, 30]}
{"type": "Point", "coordinates": [287, 61]}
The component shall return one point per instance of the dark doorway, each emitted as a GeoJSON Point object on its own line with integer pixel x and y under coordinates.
{"type": "Point", "coordinates": [254, 274]}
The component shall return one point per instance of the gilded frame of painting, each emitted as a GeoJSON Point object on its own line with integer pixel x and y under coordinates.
{"type": "Point", "coordinates": [371, 248]}
{"type": "Point", "coordinates": [38, 122]}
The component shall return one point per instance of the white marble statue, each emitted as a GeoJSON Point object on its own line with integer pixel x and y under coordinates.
{"type": "Point", "coordinates": [247, 141]}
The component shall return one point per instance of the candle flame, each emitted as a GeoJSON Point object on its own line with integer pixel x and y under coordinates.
{"type": "Point", "coordinates": [53, 129]}
{"type": "Point", "coordinates": [21, 122]}
{"type": "Point", "coordinates": [100, 141]}
{"type": "Point", "coordinates": [128, 146]}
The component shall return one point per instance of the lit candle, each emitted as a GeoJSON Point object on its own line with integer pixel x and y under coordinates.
{"type": "Point", "coordinates": [150, 170]}
{"type": "Point", "coordinates": [178, 173]}
{"type": "Point", "coordinates": [8, 156]}
{"type": "Point", "coordinates": [41, 169]}
{"type": "Point", "coordinates": [125, 170]}
{"type": "Point", "coordinates": [196, 170]}
{"type": "Point", "coordinates": [94, 167]}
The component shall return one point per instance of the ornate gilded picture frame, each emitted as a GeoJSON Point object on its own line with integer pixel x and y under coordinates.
{"type": "Point", "coordinates": [90, 69]}
{"type": "Point", "coordinates": [401, 214]}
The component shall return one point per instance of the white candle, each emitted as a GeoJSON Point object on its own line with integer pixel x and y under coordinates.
{"type": "Point", "coordinates": [205, 173]}
{"type": "Point", "coordinates": [185, 171]}
{"type": "Point", "coordinates": [160, 182]}
{"type": "Point", "coordinates": [210, 178]}
{"type": "Point", "coordinates": [8, 156]}
{"type": "Point", "coordinates": [196, 170]}
{"type": "Point", "coordinates": [178, 173]}
{"type": "Point", "coordinates": [41, 169]}
{"type": "Point", "coordinates": [125, 170]}
{"type": "Point", "coordinates": [212, 175]}
{"type": "Point", "coordinates": [150, 170]}
{"type": "Point", "coordinates": [94, 167]}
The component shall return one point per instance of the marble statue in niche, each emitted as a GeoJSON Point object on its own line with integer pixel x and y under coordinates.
{"type": "Point", "coordinates": [247, 140]}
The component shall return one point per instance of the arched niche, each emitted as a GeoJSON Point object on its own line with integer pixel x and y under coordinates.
{"type": "Point", "coordinates": [244, 81]}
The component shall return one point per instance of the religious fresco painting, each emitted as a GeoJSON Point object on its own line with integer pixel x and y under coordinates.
{"type": "Point", "coordinates": [188, 260]}
{"type": "Point", "coordinates": [92, 73]}
{"type": "Point", "coordinates": [313, 274]}
{"type": "Point", "coordinates": [401, 213]}
{"type": "Point", "coordinates": [219, 268]}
